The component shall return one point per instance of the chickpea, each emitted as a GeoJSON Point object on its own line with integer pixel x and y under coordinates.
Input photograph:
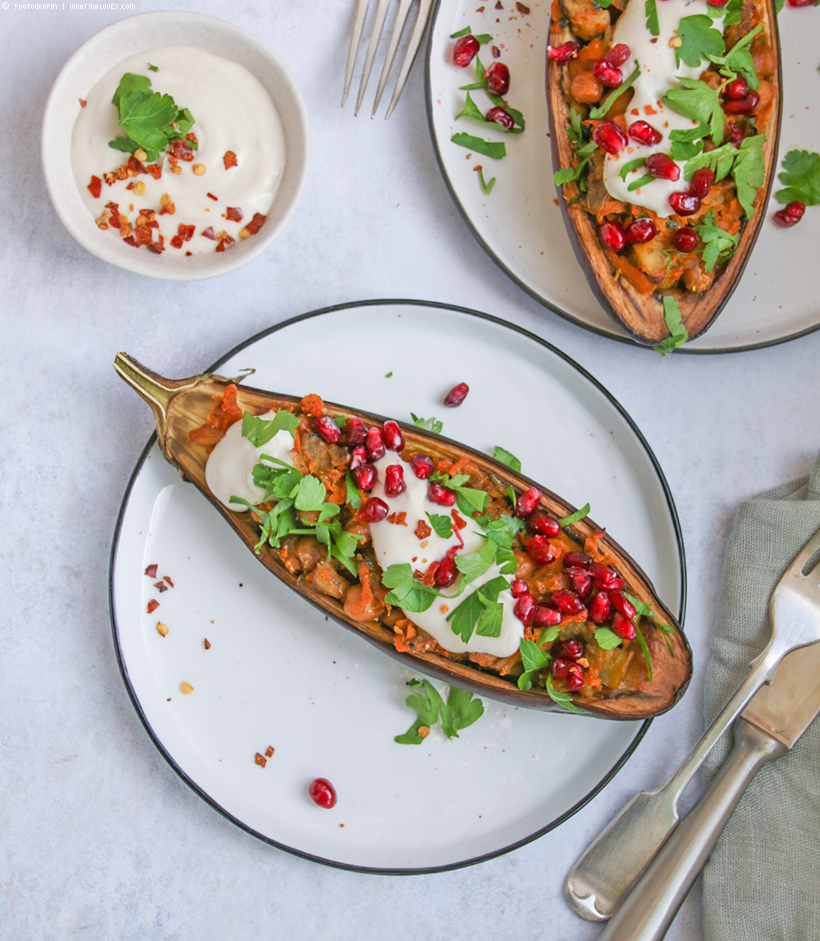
{"type": "Point", "coordinates": [586, 89]}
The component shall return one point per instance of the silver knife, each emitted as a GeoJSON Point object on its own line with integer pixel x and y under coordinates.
{"type": "Point", "coordinates": [775, 718]}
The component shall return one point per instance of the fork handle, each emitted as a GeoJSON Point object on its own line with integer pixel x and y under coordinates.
{"type": "Point", "coordinates": [603, 875]}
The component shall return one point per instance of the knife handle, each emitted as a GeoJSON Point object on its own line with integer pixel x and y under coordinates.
{"type": "Point", "coordinates": [652, 905]}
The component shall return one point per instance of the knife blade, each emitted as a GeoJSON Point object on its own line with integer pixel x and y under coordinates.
{"type": "Point", "coordinates": [774, 719]}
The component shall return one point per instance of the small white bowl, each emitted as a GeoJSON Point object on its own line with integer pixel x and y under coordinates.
{"type": "Point", "coordinates": [113, 45]}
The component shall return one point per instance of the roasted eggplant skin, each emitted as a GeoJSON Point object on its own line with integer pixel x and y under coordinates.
{"type": "Point", "coordinates": [182, 406]}
{"type": "Point", "coordinates": [639, 313]}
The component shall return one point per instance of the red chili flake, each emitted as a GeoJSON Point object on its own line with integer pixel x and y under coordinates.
{"type": "Point", "coordinates": [167, 578]}
{"type": "Point", "coordinates": [156, 247]}
{"type": "Point", "coordinates": [130, 185]}
{"type": "Point", "coordinates": [397, 519]}
{"type": "Point", "coordinates": [188, 254]}
{"type": "Point", "coordinates": [192, 138]}
{"type": "Point", "coordinates": [161, 586]}
{"type": "Point", "coordinates": [95, 187]}
{"type": "Point", "coordinates": [186, 232]}
{"type": "Point", "coordinates": [230, 160]}
{"type": "Point", "coordinates": [130, 241]}
{"type": "Point", "coordinates": [182, 150]}
{"type": "Point", "coordinates": [211, 196]}
{"type": "Point", "coordinates": [499, 5]}
{"type": "Point", "coordinates": [522, 9]}
{"type": "Point", "coordinates": [83, 102]}
{"type": "Point", "coordinates": [496, 52]}
{"type": "Point", "coordinates": [222, 244]}
{"type": "Point", "coordinates": [234, 214]}
{"type": "Point", "coordinates": [176, 242]}
{"type": "Point", "coordinates": [143, 234]}
{"type": "Point", "coordinates": [207, 644]}
{"type": "Point", "coordinates": [209, 233]}
{"type": "Point", "coordinates": [422, 530]}
{"type": "Point", "coordinates": [136, 165]}
{"type": "Point", "coordinates": [155, 170]}
{"type": "Point", "coordinates": [151, 571]}
{"type": "Point", "coordinates": [269, 751]}
{"type": "Point", "coordinates": [458, 521]}
{"type": "Point", "coordinates": [153, 604]}
{"type": "Point", "coordinates": [256, 223]}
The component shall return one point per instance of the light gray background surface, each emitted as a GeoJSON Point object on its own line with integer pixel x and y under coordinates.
{"type": "Point", "coordinates": [100, 838]}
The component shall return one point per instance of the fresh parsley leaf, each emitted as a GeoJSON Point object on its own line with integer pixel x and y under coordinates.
{"type": "Point", "coordinates": [644, 180]}
{"type": "Point", "coordinates": [560, 698]}
{"type": "Point", "coordinates": [494, 150]}
{"type": "Point", "coordinates": [685, 150]}
{"type": "Point", "coordinates": [462, 32]}
{"type": "Point", "coordinates": [387, 375]}
{"type": "Point", "coordinates": [800, 177]}
{"type": "Point", "coordinates": [428, 424]}
{"type": "Point", "coordinates": [442, 525]}
{"type": "Point", "coordinates": [731, 13]}
{"type": "Point", "coordinates": [427, 703]}
{"type": "Point", "coordinates": [533, 658]}
{"type": "Point", "coordinates": [483, 38]}
{"type": "Point", "coordinates": [691, 134]}
{"type": "Point", "coordinates": [505, 457]}
{"type": "Point", "coordinates": [606, 639]}
{"type": "Point", "coordinates": [143, 118]}
{"type": "Point", "coordinates": [696, 100]}
{"type": "Point", "coordinates": [746, 164]}
{"type": "Point", "coordinates": [699, 40]}
{"type": "Point", "coordinates": [651, 13]}
{"type": "Point", "coordinates": [631, 165]}
{"type": "Point", "coordinates": [719, 245]}
{"type": "Point", "coordinates": [473, 564]}
{"type": "Point", "coordinates": [674, 322]}
{"type": "Point", "coordinates": [574, 517]}
{"type": "Point", "coordinates": [604, 4]}
{"type": "Point", "coordinates": [568, 174]}
{"type": "Point", "coordinates": [310, 495]}
{"type": "Point", "coordinates": [471, 110]}
{"type": "Point", "coordinates": [739, 58]}
{"type": "Point", "coordinates": [642, 644]}
{"type": "Point", "coordinates": [779, 4]}
{"type": "Point", "coordinates": [549, 634]}
{"type": "Point", "coordinates": [469, 499]}
{"type": "Point", "coordinates": [153, 68]}
{"type": "Point", "coordinates": [461, 711]}
{"type": "Point", "coordinates": [259, 431]}
{"type": "Point", "coordinates": [615, 94]}
{"type": "Point", "coordinates": [407, 592]}
{"type": "Point", "coordinates": [487, 187]}
{"type": "Point", "coordinates": [129, 83]}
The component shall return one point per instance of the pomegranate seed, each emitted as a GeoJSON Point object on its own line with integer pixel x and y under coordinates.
{"type": "Point", "coordinates": [373, 510]}
{"type": "Point", "coordinates": [546, 617]}
{"type": "Point", "coordinates": [457, 394]}
{"type": "Point", "coordinates": [747, 105]}
{"type": "Point", "coordinates": [355, 431]}
{"type": "Point", "coordinates": [562, 54]}
{"type": "Point", "coordinates": [644, 133]}
{"type": "Point", "coordinates": [791, 215]}
{"type": "Point", "coordinates": [663, 167]}
{"type": "Point", "coordinates": [612, 235]}
{"type": "Point", "coordinates": [422, 465]}
{"type": "Point", "coordinates": [737, 89]}
{"type": "Point", "coordinates": [600, 608]}
{"type": "Point", "coordinates": [541, 522]}
{"type": "Point", "coordinates": [575, 678]}
{"type": "Point", "coordinates": [572, 649]}
{"type": "Point", "coordinates": [604, 575]}
{"type": "Point", "coordinates": [559, 668]}
{"type": "Point", "coordinates": [686, 240]}
{"type": "Point", "coordinates": [618, 584]}
{"type": "Point", "coordinates": [621, 603]}
{"type": "Point", "coordinates": [358, 456]}
{"type": "Point", "coordinates": [735, 135]}
{"type": "Point", "coordinates": [581, 583]}
{"type": "Point", "coordinates": [365, 476]}
{"type": "Point", "coordinates": [541, 552]}
{"type": "Point", "coordinates": [641, 230]}
{"type": "Point", "coordinates": [394, 480]}
{"type": "Point", "coordinates": [609, 137]}
{"type": "Point", "coordinates": [497, 78]}
{"type": "Point", "coordinates": [684, 204]}
{"type": "Point", "coordinates": [623, 627]}
{"type": "Point", "coordinates": [465, 51]}
{"type": "Point", "coordinates": [607, 74]}
{"type": "Point", "coordinates": [525, 505]}
{"type": "Point", "coordinates": [524, 609]}
{"type": "Point", "coordinates": [518, 588]}
{"type": "Point", "coordinates": [327, 429]}
{"type": "Point", "coordinates": [500, 116]}
{"type": "Point", "coordinates": [322, 793]}
{"type": "Point", "coordinates": [618, 54]}
{"type": "Point", "coordinates": [567, 601]}
{"type": "Point", "coordinates": [798, 3]}
{"type": "Point", "coordinates": [701, 182]}
{"type": "Point", "coordinates": [392, 436]}
{"type": "Point", "coordinates": [440, 495]}
{"type": "Point", "coordinates": [718, 3]}
{"type": "Point", "coordinates": [445, 573]}
{"type": "Point", "coordinates": [375, 444]}
{"type": "Point", "coordinates": [579, 559]}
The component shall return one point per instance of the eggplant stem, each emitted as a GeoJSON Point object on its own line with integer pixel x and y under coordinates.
{"type": "Point", "coordinates": [156, 390]}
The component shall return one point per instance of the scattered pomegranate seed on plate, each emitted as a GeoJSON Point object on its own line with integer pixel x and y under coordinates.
{"type": "Point", "coordinates": [322, 792]}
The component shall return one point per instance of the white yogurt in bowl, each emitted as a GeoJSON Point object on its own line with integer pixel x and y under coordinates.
{"type": "Point", "coordinates": [243, 100]}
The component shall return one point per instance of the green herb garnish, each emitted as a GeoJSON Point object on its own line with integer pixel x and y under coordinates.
{"type": "Point", "coordinates": [428, 424]}
{"type": "Point", "coordinates": [615, 94]}
{"type": "Point", "coordinates": [699, 40]}
{"type": "Point", "coordinates": [487, 187]}
{"type": "Point", "coordinates": [442, 525]}
{"type": "Point", "coordinates": [631, 165]}
{"type": "Point", "coordinates": [746, 164]}
{"type": "Point", "coordinates": [651, 13]}
{"type": "Point", "coordinates": [674, 323]}
{"type": "Point", "coordinates": [493, 149]}
{"type": "Point", "coordinates": [607, 639]}
{"type": "Point", "coordinates": [461, 710]}
{"type": "Point", "coordinates": [505, 457]}
{"type": "Point", "coordinates": [719, 245]}
{"type": "Point", "coordinates": [696, 100]}
{"type": "Point", "coordinates": [800, 177]}
{"type": "Point", "coordinates": [151, 121]}
{"type": "Point", "coordinates": [574, 517]}
{"type": "Point", "coordinates": [259, 431]}
{"type": "Point", "coordinates": [644, 180]}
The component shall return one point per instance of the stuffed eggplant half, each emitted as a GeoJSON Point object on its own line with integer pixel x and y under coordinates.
{"type": "Point", "coordinates": [664, 119]}
{"type": "Point", "coordinates": [437, 554]}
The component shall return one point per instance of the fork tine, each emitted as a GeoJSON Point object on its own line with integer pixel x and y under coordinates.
{"type": "Point", "coordinates": [805, 554]}
{"type": "Point", "coordinates": [355, 40]}
{"type": "Point", "coordinates": [398, 27]}
{"type": "Point", "coordinates": [412, 49]}
{"type": "Point", "coordinates": [375, 36]}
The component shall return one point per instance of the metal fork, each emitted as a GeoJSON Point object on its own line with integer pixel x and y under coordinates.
{"type": "Point", "coordinates": [378, 25]}
{"type": "Point", "coordinates": [602, 877]}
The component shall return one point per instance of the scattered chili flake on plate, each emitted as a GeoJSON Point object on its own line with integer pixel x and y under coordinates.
{"type": "Point", "coordinates": [260, 760]}
{"type": "Point", "coordinates": [151, 571]}
{"type": "Point", "coordinates": [153, 604]}
{"type": "Point", "coordinates": [269, 751]}
{"type": "Point", "coordinates": [207, 644]}
{"type": "Point", "coordinates": [230, 160]}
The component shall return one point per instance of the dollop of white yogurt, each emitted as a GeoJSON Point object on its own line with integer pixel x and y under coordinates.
{"type": "Point", "coordinates": [659, 72]}
{"type": "Point", "coordinates": [232, 112]}
{"type": "Point", "coordinates": [396, 543]}
{"type": "Point", "coordinates": [229, 469]}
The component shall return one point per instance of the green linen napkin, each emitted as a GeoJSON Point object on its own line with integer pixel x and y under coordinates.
{"type": "Point", "coordinates": [762, 882]}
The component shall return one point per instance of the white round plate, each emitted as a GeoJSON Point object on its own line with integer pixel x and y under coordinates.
{"type": "Point", "coordinates": [520, 225]}
{"type": "Point", "coordinates": [279, 673]}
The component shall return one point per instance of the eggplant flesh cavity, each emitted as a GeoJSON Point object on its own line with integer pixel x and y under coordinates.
{"type": "Point", "coordinates": [182, 406]}
{"type": "Point", "coordinates": [633, 293]}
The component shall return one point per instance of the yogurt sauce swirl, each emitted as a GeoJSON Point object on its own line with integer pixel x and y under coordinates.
{"type": "Point", "coordinates": [659, 73]}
